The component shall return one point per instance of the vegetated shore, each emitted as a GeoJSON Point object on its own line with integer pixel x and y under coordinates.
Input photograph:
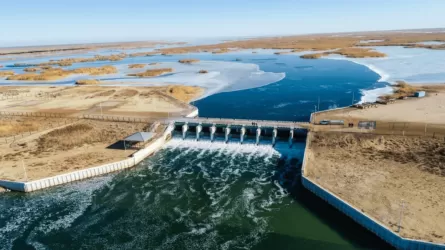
{"type": "Point", "coordinates": [386, 177]}
{"type": "Point", "coordinates": [114, 100]}
{"type": "Point", "coordinates": [46, 49]}
{"type": "Point", "coordinates": [429, 109]}
{"type": "Point", "coordinates": [346, 44]}
{"type": "Point", "coordinates": [402, 160]}
{"type": "Point", "coordinates": [51, 146]}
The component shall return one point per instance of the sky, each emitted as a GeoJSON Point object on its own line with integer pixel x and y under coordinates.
{"type": "Point", "coordinates": [31, 22]}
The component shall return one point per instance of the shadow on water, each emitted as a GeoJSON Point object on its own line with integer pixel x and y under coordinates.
{"type": "Point", "coordinates": [289, 176]}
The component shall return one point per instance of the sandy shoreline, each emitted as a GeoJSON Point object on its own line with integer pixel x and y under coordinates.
{"type": "Point", "coordinates": [429, 109]}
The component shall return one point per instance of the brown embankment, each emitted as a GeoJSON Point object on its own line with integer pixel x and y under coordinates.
{"type": "Point", "coordinates": [321, 42]}
{"type": "Point", "coordinates": [31, 69]}
{"type": "Point", "coordinates": [312, 56]}
{"type": "Point", "coordinates": [152, 72]}
{"type": "Point", "coordinates": [6, 73]}
{"type": "Point", "coordinates": [403, 89]}
{"type": "Point", "coordinates": [380, 174]}
{"type": "Point", "coordinates": [136, 66]}
{"type": "Point", "coordinates": [188, 61]}
{"type": "Point", "coordinates": [221, 51]}
{"type": "Point", "coordinates": [58, 73]}
{"type": "Point", "coordinates": [69, 61]}
{"type": "Point", "coordinates": [87, 82]}
{"type": "Point", "coordinates": [352, 52]}
{"type": "Point", "coordinates": [184, 93]}
{"type": "Point", "coordinates": [82, 47]}
{"type": "Point", "coordinates": [140, 54]}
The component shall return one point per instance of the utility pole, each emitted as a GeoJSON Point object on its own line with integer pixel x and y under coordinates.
{"type": "Point", "coordinates": [318, 108]}
{"type": "Point", "coordinates": [24, 169]}
{"type": "Point", "coordinates": [402, 207]}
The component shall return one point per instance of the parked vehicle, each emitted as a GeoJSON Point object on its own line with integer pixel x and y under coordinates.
{"type": "Point", "coordinates": [332, 122]}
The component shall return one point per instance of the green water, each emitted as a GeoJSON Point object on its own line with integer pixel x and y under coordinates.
{"type": "Point", "coordinates": [188, 196]}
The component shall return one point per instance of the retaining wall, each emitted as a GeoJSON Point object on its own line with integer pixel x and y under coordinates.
{"type": "Point", "coordinates": [89, 172]}
{"type": "Point", "coordinates": [193, 114]}
{"type": "Point", "coordinates": [369, 223]}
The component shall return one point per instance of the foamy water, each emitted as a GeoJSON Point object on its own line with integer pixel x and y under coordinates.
{"type": "Point", "coordinates": [190, 195]}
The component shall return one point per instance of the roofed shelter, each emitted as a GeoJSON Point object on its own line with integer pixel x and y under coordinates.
{"type": "Point", "coordinates": [138, 138]}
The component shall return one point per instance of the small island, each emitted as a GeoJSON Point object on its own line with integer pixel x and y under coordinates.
{"type": "Point", "coordinates": [59, 73]}
{"type": "Point", "coordinates": [152, 72]}
{"type": "Point", "coordinates": [188, 61]}
{"type": "Point", "coordinates": [136, 66]}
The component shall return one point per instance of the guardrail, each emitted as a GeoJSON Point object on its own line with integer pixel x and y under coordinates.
{"type": "Point", "coordinates": [242, 121]}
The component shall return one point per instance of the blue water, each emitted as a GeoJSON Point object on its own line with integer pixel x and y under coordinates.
{"type": "Point", "coordinates": [204, 196]}
{"type": "Point", "coordinates": [334, 83]}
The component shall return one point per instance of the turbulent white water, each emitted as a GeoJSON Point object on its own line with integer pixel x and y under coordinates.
{"type": "Point", "coordinates": [38, 216]}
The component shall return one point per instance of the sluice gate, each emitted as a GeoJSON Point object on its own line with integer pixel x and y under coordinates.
{"type": "Point", "coordinates": [231, 131]}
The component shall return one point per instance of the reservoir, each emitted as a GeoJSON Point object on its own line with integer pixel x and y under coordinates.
{"type": "Point", "coordinates": [203, 195]}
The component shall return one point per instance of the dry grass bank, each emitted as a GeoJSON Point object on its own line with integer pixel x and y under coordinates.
{"type": "Point", "coordinates": [136, 66]}
{"type": "Point", "coordinates": [70, 61]}
{"type": "Point", "coordinates": [403, 89]}
{"type": "Point", "coordinates": [323, 42]}
{"type": "Point", "coordinates": [375, 173]}
{"type": "Point", "coordinates": [10, 128]}
{"type": "Point", "coordinates": [6, 73]}
{"type": "Point", "coordinates": [87, 82]}
{"type": "Point", "coordinates": [221, 51]}
{"type": "Point", "coordinates": [184, 93]}
{"type": "Point", "coordinates": [312, 56]}
{"type": "Point", "coordinates": [141, 54]}
{"type": "Point", "coordinates": [188, 61]}
{"type": "Point", "coordinates": [59, 73]}
{"type": "Point", "coordinates": [152, 72]}
{"type": "Point", "coordinates": [347, 52]}
{"type": "Point", "coordinates": [67, 148]}
{"type": "Point", "coordinates": [13, 126]}
{"type": "Point", "coordinates": [358, 52]}
{"type": "Point", "coordinates": [31, 69]}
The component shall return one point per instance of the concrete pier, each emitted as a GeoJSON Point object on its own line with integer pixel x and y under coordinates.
{"type": "Point", "coordinates": [185, 127]}
{"type": "Point", "coordinates": [227, 133]}
{"type": "Point", "coordinates": [258, 135]}
{"type": "Point", "coordinates": [291, 137]}
{"type": "Point", "coordinates": [198, 131]}
{"type": "Point", "coordinates": [274, 136]}
{"type": "Point", "coordinates": [242, 134]}
{"type": "Point", "coordinates": [212, 132]}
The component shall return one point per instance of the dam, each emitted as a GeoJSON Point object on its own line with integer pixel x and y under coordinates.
{"type": "Point", "coordinates": [240, 131]}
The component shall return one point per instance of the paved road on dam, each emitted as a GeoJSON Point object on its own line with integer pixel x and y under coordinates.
{"type": "Point", "coordinates": [261, 123]}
